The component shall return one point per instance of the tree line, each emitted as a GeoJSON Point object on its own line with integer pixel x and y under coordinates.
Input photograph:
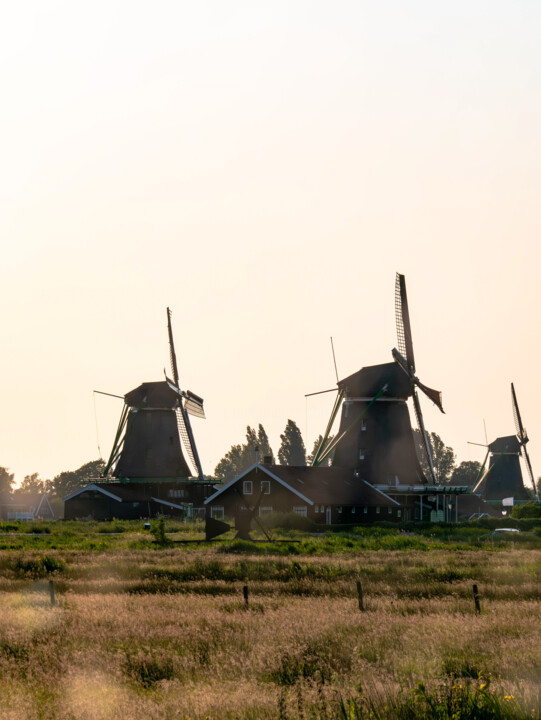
{"type": "Point", "coordinates": [240, 457]}
{"type": "Point", "coordinates": [61, 485]}
{"type": "Point", "coordinates": [292, 451]}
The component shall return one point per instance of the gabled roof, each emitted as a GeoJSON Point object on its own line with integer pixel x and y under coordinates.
{"type": "Point", "coordinates": [115, 495]}
{"type": "Point", "coordinates": [267, 470]}
{"type": "Point", "coordinates": [319, 485]}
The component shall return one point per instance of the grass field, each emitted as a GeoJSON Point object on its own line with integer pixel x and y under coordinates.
{"type": "Point", "coordinates": [144, 631]}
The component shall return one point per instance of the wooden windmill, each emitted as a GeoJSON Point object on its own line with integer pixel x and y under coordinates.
{"type": "Point", "coordinates": [375, 437]}
{"type": "Point", "coordinates": [153, 427]}
{"type": "Point", "coordinates": [503, 479]}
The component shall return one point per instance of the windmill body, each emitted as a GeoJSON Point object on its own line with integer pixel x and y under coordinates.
{"type": "Point", "coordinates": [503, 477]}
{"type": "Point", "coordinates": [151, 447]}
{"type": "Point", "coordinates": [153, 429]}
{"type": "Point", "coordinates": [377, 437]}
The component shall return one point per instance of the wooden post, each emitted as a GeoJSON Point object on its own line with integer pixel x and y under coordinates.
{"type": "Point", "coordinates": [245, 593]}
{"type": "Point", "coordinates": [360, 594]}
{"type": "Point", "coordinates": [51, 592]}
{"type": "Point", "coordinates": [476, 599]}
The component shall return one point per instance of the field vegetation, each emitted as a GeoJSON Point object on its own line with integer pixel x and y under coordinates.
{"type": "Point", "coordinates": [147, 628]}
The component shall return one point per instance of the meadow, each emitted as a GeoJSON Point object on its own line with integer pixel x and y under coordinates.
{"type": "Point", "coordinates": [145, 629]}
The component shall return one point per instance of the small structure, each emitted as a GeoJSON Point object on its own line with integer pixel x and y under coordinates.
{"type": "Point", "coordinates": [25, 506]}
{"type": "Point", "coordinates": [503, 479]}
{"type": "Point", "coordinates": [325, 495]}
{"type": "Point", "coordinates": [132, 501]}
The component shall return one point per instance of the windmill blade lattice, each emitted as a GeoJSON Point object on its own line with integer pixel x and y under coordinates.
{"type": "Point", "coordinates": [403, 327]}
{"type": "Point", "coordinates": [426, 441]}
{"type": "Point", "coordinates": [183, 432]}
{"type": "Point", "coordinates": [521, 431]}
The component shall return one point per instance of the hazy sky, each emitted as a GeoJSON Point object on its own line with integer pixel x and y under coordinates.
{"type": "Point", "coordinates": [264, 169]}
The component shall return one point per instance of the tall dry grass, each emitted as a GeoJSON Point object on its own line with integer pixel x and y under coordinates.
{"type": "Point", "coordinates": [166, 634]}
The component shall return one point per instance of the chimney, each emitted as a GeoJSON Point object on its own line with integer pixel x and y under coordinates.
{"type": "Point", "coordinates": [267, 460]}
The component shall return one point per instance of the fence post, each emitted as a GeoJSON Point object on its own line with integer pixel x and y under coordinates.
{"type": "Point", "coordinates": [245, 593]}
{"type": "Point", "coordinates": [476, 599]}
{"type": "Point", "coordinates": [51, 592]}
{"type": "Point", "coordinates": [360, 594]}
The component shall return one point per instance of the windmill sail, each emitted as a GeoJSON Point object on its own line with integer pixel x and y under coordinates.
{"type": "Point", "coordinates": [194, 402]}
{"type": "Point", "coordinates": [522, 436]}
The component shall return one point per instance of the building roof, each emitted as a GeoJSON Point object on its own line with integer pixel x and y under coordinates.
{"type": "Point", "coordinates": [471, 504]}
{"type": "Point", "coordinates": [319, 485]}
{"type": "Point", "coordinates": [507, 444]}
{"type": "Point", "coordinates": [152, 395]}
{"type": "Point", "coordinates": [368, 381]}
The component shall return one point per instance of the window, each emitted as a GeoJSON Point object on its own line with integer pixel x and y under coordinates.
{"type": "Point", "coordinates": [399, 513]}
{"type": "Point", "coordinates": [264, 510]}
{"type": "Point", "coordinates": [365, 510]}
{"type": "Point", "coordinates": [340, 509]}
{"type": "Point", "coordinates": [247, 487]}
{"type": "Point", "coordinates": [377, 509]}
{"type": "Point", "coordinates": [265, 487]}
{"type": "Point", "coordinates": [346, 410]}
{"type": "Point", "coordinates": [300, 510]}
{"type": "Point", "coordinates": [316, 508]}
{"type": "Point", "coordinates": [390, 511]}
{"type": "Point", "coordinates": [176, 493]}
{"type": "Point", "coordinates": [363, 426]}
{"type": "Point", "coordinates": [353, 510]}
{"type": "Point", "coordinates": [361, 454]}
{"type": "Point", "coordinates": [217, 512]}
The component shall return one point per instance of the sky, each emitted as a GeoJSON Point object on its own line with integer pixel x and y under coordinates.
{"type": "Point", "coordinates": [265, 169]}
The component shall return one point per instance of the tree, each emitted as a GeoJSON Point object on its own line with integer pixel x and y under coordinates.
{"type": "Point", "coordinates": [240, 457]}
{"type": "Point", "coordinates": [32, 484]}
{"type": "Point", "coordinates": [467, 473]}
{"type": "Point", "coordinates": [444, 457]}
{"type": "Point", "coordinates": [70, 480]}
{"type": "Point", "coordinates": [6, 480]}
{"type": "Point", "coordinates": [328, 460]}
{"type": "Point", "coordinates": [292, 450]}
{"type": "Point", "coordinates": [265, 449]}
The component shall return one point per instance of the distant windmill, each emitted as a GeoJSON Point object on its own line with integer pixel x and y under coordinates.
{"type": "Point", "coordinates": [504, 476]}
{"type": "Point", "coordinates": [154, 420]}
{"type": "Point", "coordinates": [375, 437]}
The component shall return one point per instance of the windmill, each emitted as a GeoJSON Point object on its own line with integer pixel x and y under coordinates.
{"type": "Point", "coordinates": [153, 424]}
{"type": "Point", "coordinates": [503, 478]}
{"type": "Point", "coordinates": [375, 437]}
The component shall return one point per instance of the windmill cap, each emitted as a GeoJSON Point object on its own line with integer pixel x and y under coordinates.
{"type": "Point", "coordinates": [368, 381]}
{"type": "Point", "coordinates": [152, 394]}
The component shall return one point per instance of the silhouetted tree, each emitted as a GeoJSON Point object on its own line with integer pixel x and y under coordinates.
{"type": "Point", "coordinates": [70, 480]}
{"type": "Point", "coordinates": [443, 456]}
{"type": "Point", "coordinates": [240, 457]}
{"type": "Point", "coordinates": [292, 450]}
{"type": "Point", "coordinates": [265, 449]}
{"type": "Point", "coordinates": [328, 461]}
{"type": "Point", "coordinates": [466, 473]}
{"type": "Point", "coordinates": [32, 484]}
{"type": "Point", "coordinates": [6, 479]}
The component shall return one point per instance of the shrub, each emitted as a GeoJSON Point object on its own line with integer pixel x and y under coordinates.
{"type": "Point", "coordinates": [160, 537]}
{"type": "Point", "coordinates": [38, 567]}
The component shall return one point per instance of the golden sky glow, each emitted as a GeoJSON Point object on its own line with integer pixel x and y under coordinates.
{"type": "Point", "coordinates": [264, 169]}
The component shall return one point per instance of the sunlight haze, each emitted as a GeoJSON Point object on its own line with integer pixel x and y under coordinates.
{"type": "Point", "coordinates": [265, 169]}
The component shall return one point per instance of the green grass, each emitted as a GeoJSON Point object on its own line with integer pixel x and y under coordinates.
{"type": "Point", "coordinates": [153, 630]}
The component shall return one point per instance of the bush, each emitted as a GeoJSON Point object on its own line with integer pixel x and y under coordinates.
{"type": "Point", "coordinates": [38, 567]}
{"type": "Point", "coordinates": [528, 510]}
